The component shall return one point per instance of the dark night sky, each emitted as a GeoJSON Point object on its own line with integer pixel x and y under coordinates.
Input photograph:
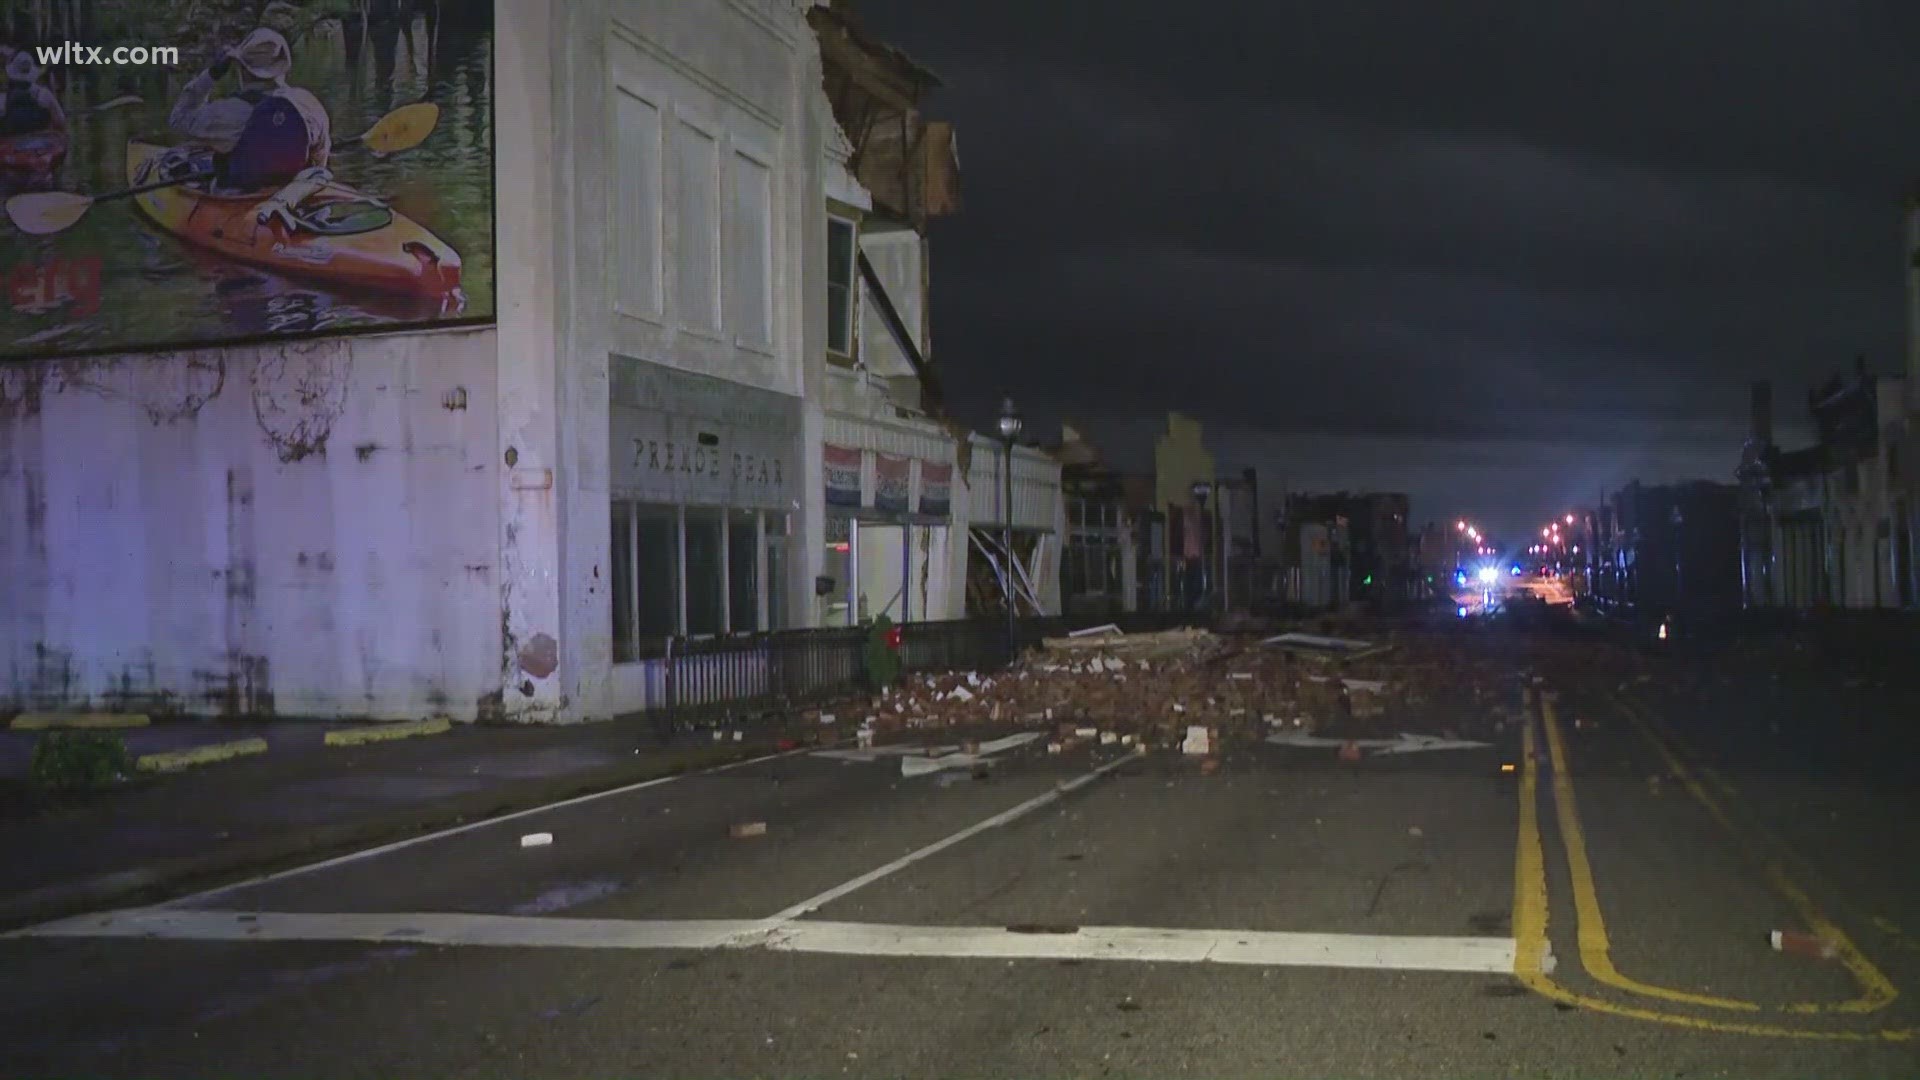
{"type": "Point", "coordinates": [1497, 255]}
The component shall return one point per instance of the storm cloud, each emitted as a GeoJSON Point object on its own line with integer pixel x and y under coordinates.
{"type": "Point", "coordinates": [1521, 252]}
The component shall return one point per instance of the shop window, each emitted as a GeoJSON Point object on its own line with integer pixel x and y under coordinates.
{"type": "Point", "coordinates": [645, 552]}
{"type": "Point", "coordinates": [777, 617]}
{"type": "Point", "coordinates": [625, 647]}
{"type": "Point", "coordinates": [657, 572]}
{"type": "Point", "coordinates": [719, 578]}
{"type": "Point", "coordinates": [704, 569]}
{"type": "Point", "coordinates": [743, 574]}
{"type": "Point", "coordinates": [837, 568]}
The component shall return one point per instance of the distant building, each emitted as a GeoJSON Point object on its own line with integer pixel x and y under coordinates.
{"type": "Point", "coordinates": [1675, 548]}
{"type": "Point", "coordinates": [1099, 565]}
{"type": "Point", "coordinates": [1830, 525]}
{"type": "Point", "coordinates": [1346, 546]}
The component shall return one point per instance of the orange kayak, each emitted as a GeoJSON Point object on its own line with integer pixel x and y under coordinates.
{"type": "Point", "coordinates": [346, 239]}
{"type": "Point", "coordinates": [40, 152]}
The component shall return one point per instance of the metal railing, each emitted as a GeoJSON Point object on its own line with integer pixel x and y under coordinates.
{"type": "Point", "coordinates": [707, 679]}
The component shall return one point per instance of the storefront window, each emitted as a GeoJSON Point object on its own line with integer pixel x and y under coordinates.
{"type": "Point", "coordinates": [704, 568]}
{"type": "Point", "coordinates": [743, 572]}
{"type": "Point", "coordinates": [621, 555]}
{"type": "Point", "coordinates": [720, 576]}
{"type": "Point", "coordinates": [837, 567]}
{"type": "Point", "coordinates": [777, 618]}
{"type": "Point", "coordinates": [657, 572]}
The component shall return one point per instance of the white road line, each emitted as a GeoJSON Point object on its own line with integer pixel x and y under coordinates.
{"type": "Point", "coordinates": [815, 903]}
{"type": "Point", "coordinates": [398, 845]}
{"type": "Point", "coordinates": [1482, 955]}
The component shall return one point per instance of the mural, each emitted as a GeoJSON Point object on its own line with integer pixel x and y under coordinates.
{"type": "Point", "coordinates": [306, 167]}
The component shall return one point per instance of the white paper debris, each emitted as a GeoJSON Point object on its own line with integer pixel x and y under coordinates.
{"type": "Point", "coordinates": [536, 839]}
{"type": "Point", "coordinates": [1199, 741]}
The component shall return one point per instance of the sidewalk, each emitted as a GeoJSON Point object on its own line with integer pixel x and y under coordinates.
{"type": "Point", "coordinates": [303, 801]}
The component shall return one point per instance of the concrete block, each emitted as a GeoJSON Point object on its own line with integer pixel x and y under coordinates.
{"type": "Point", "coordinates": [54, 721]}
{"type": "Point", "coordinates": [176, 760]}
{"type": "Point", "coordinates": [359, 736]}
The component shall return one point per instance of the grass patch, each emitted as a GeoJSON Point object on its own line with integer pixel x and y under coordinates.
{"type": "Point", "coordinates": [68, 760]}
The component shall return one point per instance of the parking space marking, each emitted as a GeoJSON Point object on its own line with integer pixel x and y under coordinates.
{"type": "Point", "coordinates": [1004, 817]}
{"type": "Point", "coordinates": [196, 899]}
{"type": "Point", "coordinates": [1876, 990]}
{"type": "Point", "coordinates": [1533, 949]}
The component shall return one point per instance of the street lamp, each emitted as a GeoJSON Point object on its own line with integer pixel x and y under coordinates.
{"type": "Point", "coordinates": [1676, 519]}
{"type": "Point", "coordinates": [1009, 425]}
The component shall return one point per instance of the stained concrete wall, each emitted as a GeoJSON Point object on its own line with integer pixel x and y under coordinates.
{"type": "Point", "coordinates": [304, 530]}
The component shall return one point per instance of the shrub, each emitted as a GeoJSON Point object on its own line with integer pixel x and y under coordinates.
{"type": "Point", "coordinates": [79, 759]}
{"type": "Point", "coordinates": [883, 660]}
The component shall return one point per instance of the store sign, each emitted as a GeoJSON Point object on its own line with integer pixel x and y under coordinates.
{"type": "Point", "coordinates": [936, 489]}
{"type": "Point", "coordinates": [684, 438]}
{"type": "Point", "coordinates": [841, 466]}
{"type": "Point", "coordinates": [892, 483]}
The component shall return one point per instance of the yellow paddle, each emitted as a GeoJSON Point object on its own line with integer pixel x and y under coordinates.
{"type": "Point", "coordinates": [41, 213]}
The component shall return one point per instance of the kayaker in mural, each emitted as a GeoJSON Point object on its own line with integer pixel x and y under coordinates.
{"type": "Point", "coordinates": [265, 135]}
{"type": "Point", "coordinates": [28, 108]}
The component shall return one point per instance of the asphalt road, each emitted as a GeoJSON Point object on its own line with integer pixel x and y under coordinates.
{"type": "Point", "coordinates": [1647, 841]}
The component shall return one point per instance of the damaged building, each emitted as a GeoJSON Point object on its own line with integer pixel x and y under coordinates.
{"type": "Point", "coordinates": [500, 495]}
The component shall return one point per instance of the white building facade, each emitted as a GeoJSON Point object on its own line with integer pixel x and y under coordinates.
{"type": "Point", "coordinates": [510, 520]}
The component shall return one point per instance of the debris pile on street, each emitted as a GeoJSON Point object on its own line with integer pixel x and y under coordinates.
{"type": "Point", "coordinates": [1163, 688]}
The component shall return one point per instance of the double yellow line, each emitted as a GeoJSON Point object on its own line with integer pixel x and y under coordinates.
{"type": "Point", "coordinates": [1533, 952]}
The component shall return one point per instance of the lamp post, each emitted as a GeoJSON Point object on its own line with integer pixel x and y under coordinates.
{"type": "Point", "coordinates": [1677, 519]}
{"type": "Point", "coordinates": [1009, 425]}
{"type": "Point", "coordinates": [1202, 489]}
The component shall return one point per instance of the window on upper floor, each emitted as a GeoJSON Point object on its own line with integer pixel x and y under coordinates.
{"type": "Point", "coordinates": [750, 253]}
{"type": "Point", "coordinates": [696, 156]}
{"type": "Point", "coordinates": [636, 206]}
{"type": "Point", "coordinates": [840, 275]}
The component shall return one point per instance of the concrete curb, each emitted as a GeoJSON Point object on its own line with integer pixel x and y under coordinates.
{"type": "Point", "coordinates": [360, 736]}
{"type": "Point", "coordinates": [175, 760]}
{"type": "Point", "coordinates": [47, 721]}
